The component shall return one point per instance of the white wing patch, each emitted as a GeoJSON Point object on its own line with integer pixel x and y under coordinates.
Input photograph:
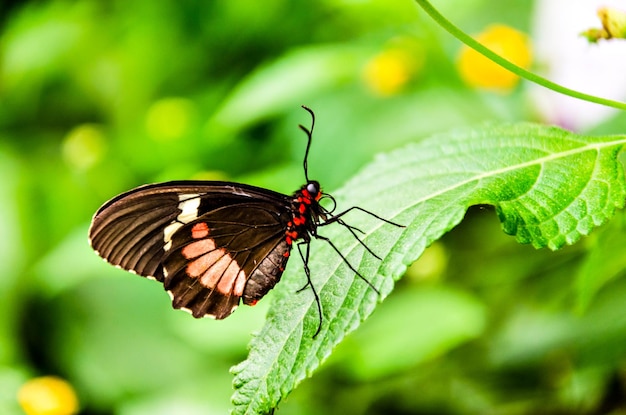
{"type": "Point", "coordinates": [188, 205]}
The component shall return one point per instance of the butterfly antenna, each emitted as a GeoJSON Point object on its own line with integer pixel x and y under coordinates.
{"type": "Point", "coordinates": [309, 134]}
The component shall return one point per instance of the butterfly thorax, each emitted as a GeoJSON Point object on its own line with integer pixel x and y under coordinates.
{"type": "Point", "coordinates": [306, 213]}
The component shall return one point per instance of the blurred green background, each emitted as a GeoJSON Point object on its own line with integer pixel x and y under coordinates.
{"type": "Point", "coordinates": [99, 97]}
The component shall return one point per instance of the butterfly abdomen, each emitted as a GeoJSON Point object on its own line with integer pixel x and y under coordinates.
{"type": "Point", "coordinates": [267, 274]}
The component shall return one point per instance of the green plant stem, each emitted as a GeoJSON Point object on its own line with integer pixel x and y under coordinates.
{"type": "Point", "coordinates": [521, 72]}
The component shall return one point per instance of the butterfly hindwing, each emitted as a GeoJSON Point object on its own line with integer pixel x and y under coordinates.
{"type": "Point", "coordinates": [203, 240]}
{"type": "Point", "coordinates": [218, 258]}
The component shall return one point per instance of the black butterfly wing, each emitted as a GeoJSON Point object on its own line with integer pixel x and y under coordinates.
{"type": "Point", "coordinates": [210, 243]}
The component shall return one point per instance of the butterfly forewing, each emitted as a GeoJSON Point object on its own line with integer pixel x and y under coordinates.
{"type": "Point", "coordinates": [203, 240]}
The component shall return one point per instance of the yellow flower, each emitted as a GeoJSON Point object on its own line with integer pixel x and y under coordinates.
{"type": "Point", "coordinates": [613, 25]}
{"type": "Point", "coordinates": [613, 21]}
{"type": "Point", "coordinates": [478, 71]}
{"type": "Point", "coordinates": [48, 395]}
{"type": "Point", "coordinates": [388, 72]}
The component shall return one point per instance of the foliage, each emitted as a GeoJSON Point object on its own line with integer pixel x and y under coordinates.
{"type": "Point", "coordinates": [96, 98]}
{"type": "Point", "coordinates": [549, 188]}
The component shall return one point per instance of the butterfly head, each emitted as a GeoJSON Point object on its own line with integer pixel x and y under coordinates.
{"type": "Point", "coordinates": [312, 190]}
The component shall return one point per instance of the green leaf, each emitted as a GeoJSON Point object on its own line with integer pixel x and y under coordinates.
{"type": "Point", "coordinates": [549, 188]}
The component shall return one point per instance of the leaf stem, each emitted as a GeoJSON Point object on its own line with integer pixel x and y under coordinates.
{"type": "Point", "coordinates": [521, 72]}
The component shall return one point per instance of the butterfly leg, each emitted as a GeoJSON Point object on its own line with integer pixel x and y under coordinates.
{"type": "Point", "coordinates": [307, 271]}
{"type": "Point", "coordinates": [323, 238]}
{"type": "Point", "coordinates": [335, 218]}
{"type": "Point", "coordinates": [352, 229]}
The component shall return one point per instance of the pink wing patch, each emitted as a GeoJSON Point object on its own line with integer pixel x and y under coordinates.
{"type": "Point", "coordinates": [214, 267]}
{"type": "Point", "coordinates": [200, 230]}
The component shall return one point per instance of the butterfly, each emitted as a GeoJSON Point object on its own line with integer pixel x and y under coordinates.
{"type": "Point", "coordinates": [214, 244]}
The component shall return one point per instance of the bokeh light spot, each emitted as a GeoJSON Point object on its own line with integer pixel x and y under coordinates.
{"type": "Point", "coordinates": [84, 146]}
{"type": "Point", "coordinates": [170, 118]}
{"type": "Point", "coordinates": [48, 395]}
